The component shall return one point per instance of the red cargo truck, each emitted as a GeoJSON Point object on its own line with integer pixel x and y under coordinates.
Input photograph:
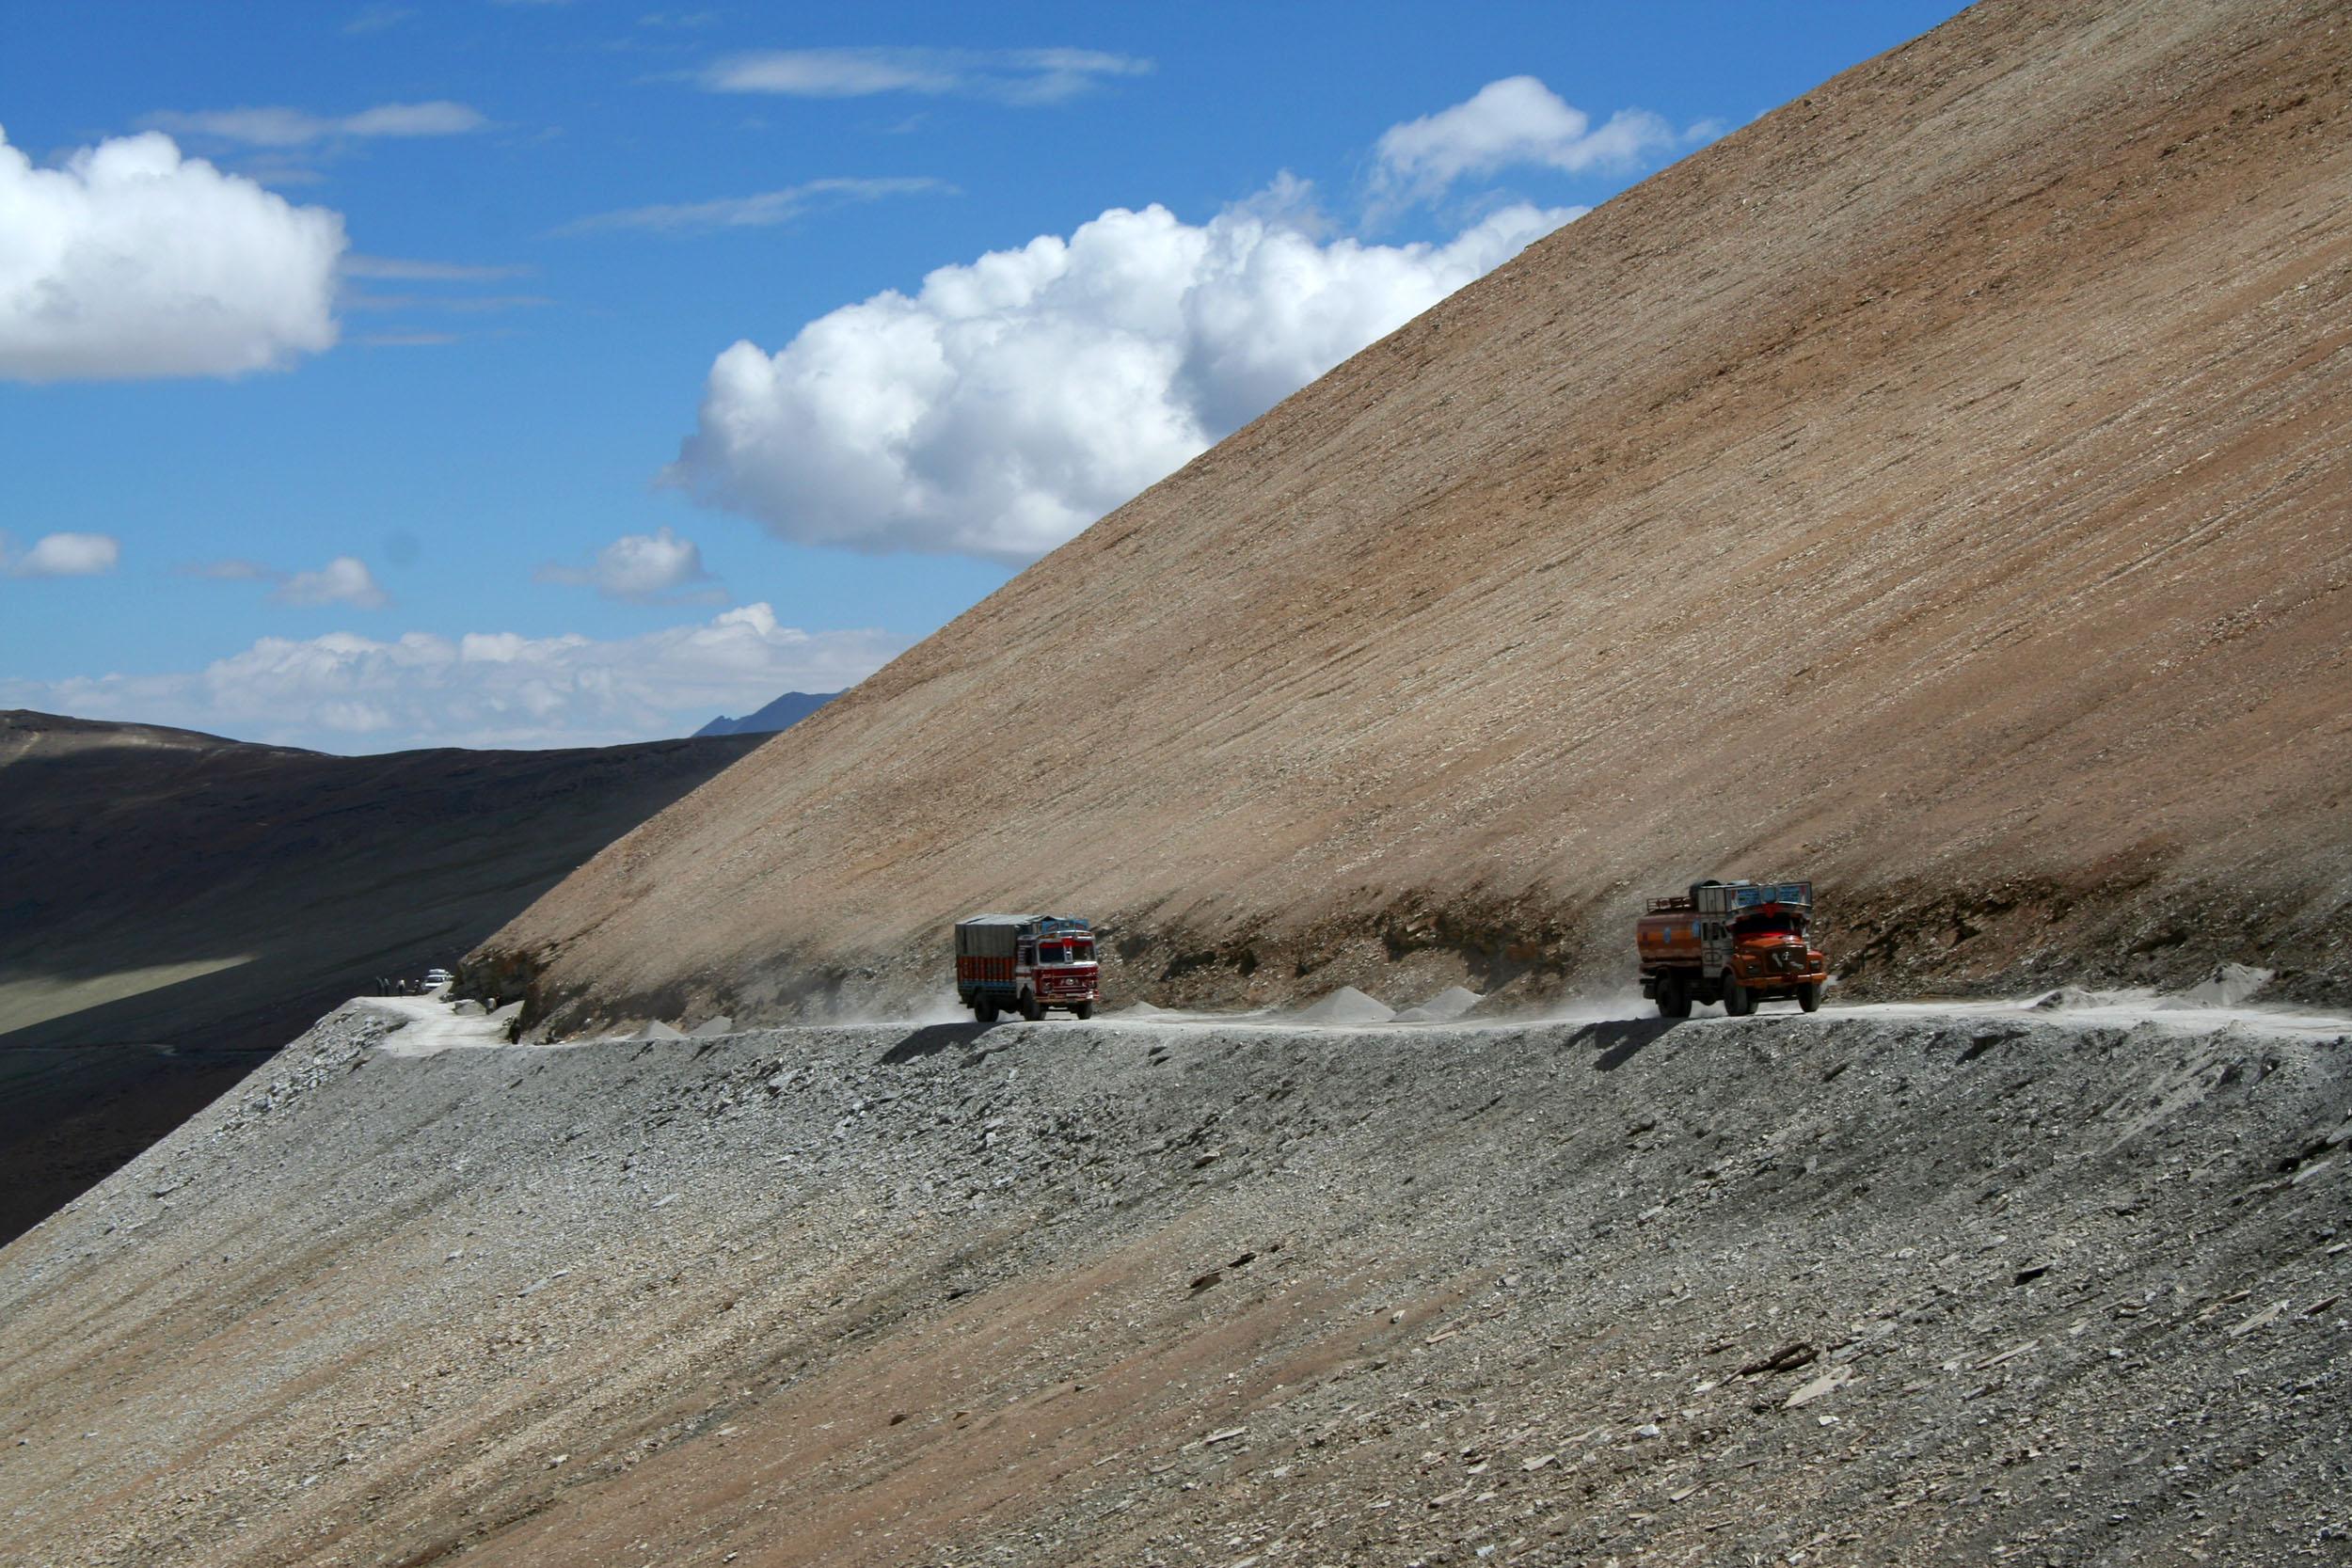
{"type": "Point", "coordinates": [1026, 963]}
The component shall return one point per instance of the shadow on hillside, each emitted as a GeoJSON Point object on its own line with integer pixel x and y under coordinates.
{"type": "Point", "coordinates": [1621, 1041]}
{"type": "Point", "coordinates": [930, 1039]}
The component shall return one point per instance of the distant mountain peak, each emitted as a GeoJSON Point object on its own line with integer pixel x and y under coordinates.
{"type": "Point", "coordinates": [782, 714]}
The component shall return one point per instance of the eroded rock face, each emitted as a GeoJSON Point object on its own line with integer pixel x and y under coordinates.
{"type": "Point", "coordinates": [1934, 488]}
{"type": "Point", "coordinates": [1919, 1288]}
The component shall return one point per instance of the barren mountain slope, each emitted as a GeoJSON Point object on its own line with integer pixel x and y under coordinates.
{"type": "Point", "coordinates": [173, 906]}
{"type": "Point", "coordinates": [1847, 1290]}
{"type": "Point", "coordinates": [1938, 487]}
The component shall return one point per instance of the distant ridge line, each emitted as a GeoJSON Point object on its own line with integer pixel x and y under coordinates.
{"type": "Point", "coordinates": [782, 714]}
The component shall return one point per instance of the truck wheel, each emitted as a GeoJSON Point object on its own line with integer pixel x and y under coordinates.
{"type": "Point", "coordinates": [1674, 1000]}
{"type": "Point", "coordinates": [1082, 1010]}
{"type": "Point", "coordinates": [1738, 1002]}
{"type": "Point", "coordinates": [1809, 996]}
{"type": "Point", "coordinates": [1031, 1008]}
{"type": "Point", "coordinates": [985, 1009]}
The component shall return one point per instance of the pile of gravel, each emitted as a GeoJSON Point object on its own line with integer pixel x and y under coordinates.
{"type": "Point", "coordinates": [1448, 1005]}
{"type": "Point", "coordinates": [1346, 1007]}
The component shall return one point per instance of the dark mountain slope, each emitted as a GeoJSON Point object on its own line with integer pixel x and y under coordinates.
{"type": "Point", "coordinates": [175, 903]}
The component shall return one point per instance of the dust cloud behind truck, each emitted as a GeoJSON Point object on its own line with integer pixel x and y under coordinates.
{"type": "Point", "coordinates": [1734, 942]}
{"type": "Point", "coordinates": [1026, 963]}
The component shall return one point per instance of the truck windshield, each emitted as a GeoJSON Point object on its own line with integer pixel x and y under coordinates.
{"type": "Point", "coordinates": [1049, 952]}
{"type": "Point", "coordinates": [1794, 925]}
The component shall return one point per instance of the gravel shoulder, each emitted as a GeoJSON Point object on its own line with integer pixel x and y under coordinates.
{"type": "Point", "coordinates": [1859, 1287]}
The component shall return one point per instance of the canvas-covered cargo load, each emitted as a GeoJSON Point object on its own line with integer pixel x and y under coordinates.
{"type": "Point", "coordinates": [991, 936]}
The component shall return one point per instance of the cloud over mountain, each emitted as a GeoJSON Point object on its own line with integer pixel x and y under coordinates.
{"type": "Point", "coordinates": [347, 692]}
{"type": "Point", "coordinates": [1010, 402]}
{"type": "Point", "coordinates": [131, 261]}
{"type": "Point", "coordinates": [1514, 121]}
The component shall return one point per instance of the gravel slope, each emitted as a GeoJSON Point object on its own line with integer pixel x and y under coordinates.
{"type": "Point", "coordinates": [2059, 1287]}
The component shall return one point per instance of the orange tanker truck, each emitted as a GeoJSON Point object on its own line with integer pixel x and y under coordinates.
{"type": "Point", "coordinates": [1734, 942]}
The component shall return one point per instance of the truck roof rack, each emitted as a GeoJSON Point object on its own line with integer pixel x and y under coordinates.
{"type": "Point", "coordinates": [1734, 895]}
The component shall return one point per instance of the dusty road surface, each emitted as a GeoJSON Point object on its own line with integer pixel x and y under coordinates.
{"type": "Point", "coordinates": [1991, 1285]}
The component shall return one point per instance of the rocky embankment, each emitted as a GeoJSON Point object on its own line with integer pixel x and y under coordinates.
{"type": "Point", "coordinates": [2051, 1287]}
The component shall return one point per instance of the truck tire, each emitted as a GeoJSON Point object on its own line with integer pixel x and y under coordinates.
{"type": "Point", "coordinates": [1030, 1007]}
{"type": "Point", "coordinates": [1082, 1010]}
{"type": "Point", "coordinates": [1673, 998]}
{"type": "Point", "coordinates": [1738, 1002]}
{"type": "Point", "coordinates": [985, 1009]}
{"type": "Point", "coordinates": [1809, 996]}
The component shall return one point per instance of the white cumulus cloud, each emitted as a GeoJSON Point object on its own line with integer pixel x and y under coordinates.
{"type": "Point", "coordinates": [64, 555]}
{"type": "Point", "coordinates": [1012, 402]}
{"type": "Point", "coordinates": [642, 568]}
{"type": "Point", "coordinates": [1516, 121]}
{"type": "Point", "coordinates": [347, 692]}
{"type": "Point", "coordinates": [133, 262]}
{"type": "Point", "coordinates": [345, 579]}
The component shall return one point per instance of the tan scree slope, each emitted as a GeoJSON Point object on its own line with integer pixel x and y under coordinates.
{"type": "Point", "coordinates": [1942, 486]}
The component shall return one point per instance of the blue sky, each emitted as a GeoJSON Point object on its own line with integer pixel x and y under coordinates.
{"type": "Point", "coordinates": [503, 478]}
